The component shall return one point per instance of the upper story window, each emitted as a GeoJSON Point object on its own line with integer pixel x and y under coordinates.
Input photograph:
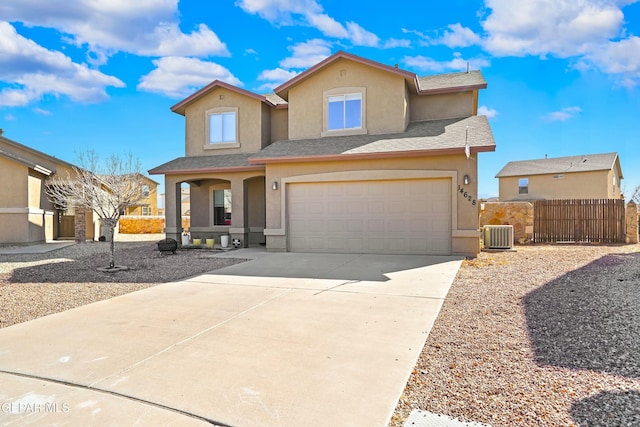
{"type": "Point", "coordinates": [222, 128]}
{"type": "Point", "coordinates": [523, 186]}
{"type": "Point", "coordinates": [344, 111]}
{"type": "Point", "coordinates": [145, 191]}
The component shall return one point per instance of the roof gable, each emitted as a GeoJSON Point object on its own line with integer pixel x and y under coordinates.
{"type": "Point", "coordinates": [283, 89]}
{"type": "Point", "coordinates": [181, 106]}
{"type": "Point", "coordinates": [569, 164]}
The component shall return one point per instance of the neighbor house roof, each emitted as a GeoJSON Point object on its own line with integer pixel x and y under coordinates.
{"type": "Point", "coordinates": [36, 160]}
{"type": "Point", "coordinates": [203, 164]}
{"type": "Point", "coordinates": [431, 137]}
{"type": "Point", "coordinates": [570, 164]}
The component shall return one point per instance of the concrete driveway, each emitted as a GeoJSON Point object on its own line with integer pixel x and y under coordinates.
{"type": "Point", "coordinates": [281, 340]}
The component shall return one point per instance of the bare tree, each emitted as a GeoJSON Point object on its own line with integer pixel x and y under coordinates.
{"type": "Point", "coordinates": [107, 189]}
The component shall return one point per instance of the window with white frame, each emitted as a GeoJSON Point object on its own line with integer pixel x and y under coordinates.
{"type": "Point", "coordinates": [523, 186]}
{"type": "Point", "coordinates": [222, 127]}
{"type": "Point", "coordinates": [344, 111]}
{"type": "Point", "coordinates": [145, 191]}
{"type": "Point", "coordinates": [146, 211]}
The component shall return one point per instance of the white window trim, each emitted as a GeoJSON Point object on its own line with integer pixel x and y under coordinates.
{"type": "Point", "coordinates": [220, 145]}
{"type": "Point", "coordinates": [362, 130]}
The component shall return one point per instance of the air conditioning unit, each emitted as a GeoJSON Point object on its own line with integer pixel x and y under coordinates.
{"type": "Point", "coordinates": [498, 236]}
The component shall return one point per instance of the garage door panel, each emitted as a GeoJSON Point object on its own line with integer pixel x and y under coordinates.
{"type": "Point", "coordinates": [399, 216]}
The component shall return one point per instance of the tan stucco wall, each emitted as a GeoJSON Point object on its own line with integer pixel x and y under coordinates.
{"type": "Point", "coordinates": [279, 124]}
{"type": "Point", "coordinates": [13, 184]}
{"type": "Point", "coordinates": [577, 185]}
{"type": "Point", "coordinates": [442, 106]}
{"type": "Point", "coordinates": [465, 235]}
{"type": "Point", "coordinates": [250, 123]}
{"type": "Point", "coordinates": [385, 99]}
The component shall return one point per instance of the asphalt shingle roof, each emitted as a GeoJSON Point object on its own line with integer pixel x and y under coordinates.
{"type": "Point", "coordinates": [194, 163]}
{"type": "Point", "coordinates": [450, 81]}
{"type": "Point", "coordinates": [428, 135]}
{"type": "Point", "coordinates": [581, 163]}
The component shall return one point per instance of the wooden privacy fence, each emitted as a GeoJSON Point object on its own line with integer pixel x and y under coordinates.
{"type": "Point", "coordinates": [579, 221]}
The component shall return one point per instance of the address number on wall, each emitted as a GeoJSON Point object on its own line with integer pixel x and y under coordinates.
{"type": "Point", "coordinates": [466, 195]}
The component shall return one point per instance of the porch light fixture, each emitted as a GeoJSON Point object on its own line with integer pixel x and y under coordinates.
{"type": "Point", "coordinates": [274, 186]}
{"type": "Point", "coordinates": [466, 180]}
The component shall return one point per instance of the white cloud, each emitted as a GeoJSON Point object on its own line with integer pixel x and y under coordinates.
{"type": "Point", "coordinates": [485, 111]}
{"type": "Point", "coordinates": [391, 43]}
{"type": "Point", "coordinates": [459, 36]}
{"type": "Point", "coordinates": [33, 71]}
{"type": "Point", "coordinates": [562, 115]}
{"type": "Point", "coordinates": [310, 13]}
{"type": "Point", "coordinates": [458, 63]}
{"type": "Point", "coordinates": [42, 111]}
{"type": "Point", "coordinates": [274, 78]}
{"type": "Point", "coordinates": [541, 27]}
{"type": "Point", "coordinates": [307, 54]}
{"type": "Point", "coordinates": [618, 58]}
{"type": "Point", "coordinates": [10, 117]}
{"type": "Point", "coordinates": [148, 27]}
{"type": "Point", "coordinates": [178, 77]}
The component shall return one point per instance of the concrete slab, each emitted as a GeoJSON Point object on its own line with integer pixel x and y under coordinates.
{"type": "Point", "coordinates": [331, 347]}
{"type": "Point", "coordinates": [40, 248]}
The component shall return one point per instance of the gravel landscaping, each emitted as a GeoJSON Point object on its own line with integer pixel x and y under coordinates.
{"type": "Point", "coordinates": [36, 285]}
{"type": "Point", "coordinates": [545, 336]}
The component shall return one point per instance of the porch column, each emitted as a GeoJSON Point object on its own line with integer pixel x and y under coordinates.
{"type": "Point", "coordinates": [239, 228]}
{"type": "Point", "coordinates": [172, 213]}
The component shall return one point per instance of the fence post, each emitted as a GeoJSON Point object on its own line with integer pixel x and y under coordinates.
{"type": "Point", "coordinates": [631, 219]}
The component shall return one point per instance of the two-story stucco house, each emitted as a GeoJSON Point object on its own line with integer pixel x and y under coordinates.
{"type": "Point", "coordinates": [588, 176]}
{"type": "Point", "coordinates": [349, 156]}
{"type": "Point", "coordinates": [148, 203]}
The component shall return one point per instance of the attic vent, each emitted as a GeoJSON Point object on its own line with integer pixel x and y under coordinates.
{"type": "Point", "coordinates": [498, 236]}
{"type": "Point", "coordinates": [343, 73]}
{"type": "Point", "coordinates": [561, 176]}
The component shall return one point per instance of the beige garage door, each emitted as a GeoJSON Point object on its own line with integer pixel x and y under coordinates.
{"type": "Point", "coordinates": [403, 216]}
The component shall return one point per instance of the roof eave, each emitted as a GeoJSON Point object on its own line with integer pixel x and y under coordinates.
{"type": "Point", "coordinates": [367, 156]}
{"type": "Point", "coordinates": [455, 89]}
{"type": "Point", "coordinates": [340, 55]}
{"type": "Point", "coordinates": [180, 107]}
{"type": "Point", "coordinates": [157, 171]}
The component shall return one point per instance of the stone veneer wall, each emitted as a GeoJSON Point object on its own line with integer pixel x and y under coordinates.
{"type": "Point", "coordinates": [632, 222]}
{"type": "Point", "coordinates": [518, 214]}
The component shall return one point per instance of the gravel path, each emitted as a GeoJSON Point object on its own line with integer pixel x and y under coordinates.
{"type": "Point", "coordinates": [545, 336]}
{"type": "Point", "coordinates": [32, 286]}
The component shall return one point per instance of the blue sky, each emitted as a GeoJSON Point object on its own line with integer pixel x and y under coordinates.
{"type": "Point", "coordinates": [563, 76]}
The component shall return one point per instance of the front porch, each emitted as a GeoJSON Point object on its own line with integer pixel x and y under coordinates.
{"type": "Point", "coordinates": [220, 204]}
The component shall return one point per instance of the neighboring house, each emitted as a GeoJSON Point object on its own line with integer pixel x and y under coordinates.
{"type": "Point", "coordinates": [589, 176]}
{"type": "Point", "coordinates": [185, 198]}
{"type": "Point", "coordinates": [148, 204]}
{"type": "Point", "coordinates": [349, 156]}
{"type": "Point", "coordinates": [26, 215]}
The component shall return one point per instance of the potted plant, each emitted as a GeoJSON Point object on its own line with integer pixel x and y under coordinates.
{"type": "Point", "coordinates": [210, 242]}
{"type": "Point", "coordinates": [197, 241]}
